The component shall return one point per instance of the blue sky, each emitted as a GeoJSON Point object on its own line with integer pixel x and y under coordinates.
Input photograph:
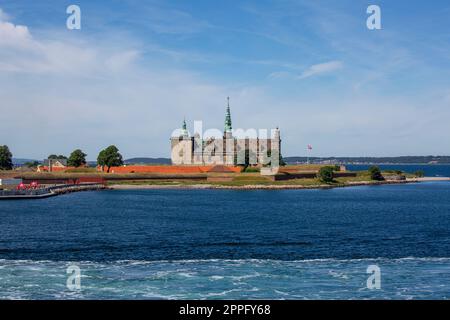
{"type": "Point", "coordinates": [136, 68]}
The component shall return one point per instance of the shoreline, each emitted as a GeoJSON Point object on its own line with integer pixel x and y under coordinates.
{"type": "Point", "coordinates": [271, 187]}
{"type": "Point", "coordinates": [49, 192]}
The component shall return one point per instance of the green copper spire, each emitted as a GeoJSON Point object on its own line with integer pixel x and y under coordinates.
{"type": "Point", "coordinates": [184, 131]}
{"type": "Point", "coordinates": [228, 126]}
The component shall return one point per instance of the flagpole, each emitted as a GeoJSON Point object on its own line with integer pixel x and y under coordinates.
{"type": "Point", "coordinates": [307, 155]}
{"type": "Point", "coordinates": [308, 150]}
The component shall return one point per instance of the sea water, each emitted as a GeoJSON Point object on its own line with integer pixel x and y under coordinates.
{"type": "Point", "coordinates": [230, 244]}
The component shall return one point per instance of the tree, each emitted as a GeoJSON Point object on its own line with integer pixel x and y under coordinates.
{"type": "Point", "coordinates": [31, 164]}
{"type": "Point", "coordinates": [5, 158]}
{"type": "Point", "coordinates": [56, 157]}
{"type": "Point", "coordinates": [419, 173]}
{"type": "Point", "coordinates": [77, 159]}
{"type": "Point", "coordinates": [375, 173]}
{"type": "Point", "coordinates": [109, 157]}
{"type": "Point", "coordinates": [326, 174]}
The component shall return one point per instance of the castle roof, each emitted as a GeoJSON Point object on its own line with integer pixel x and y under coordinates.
{"type": "Point", "coordinates": [228, 125]}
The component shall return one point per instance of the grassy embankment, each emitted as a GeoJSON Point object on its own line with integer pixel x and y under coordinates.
{"type": "Point", "coordinates": [239, 180]}
{"type": "Point", "coordinates": [255, 179]}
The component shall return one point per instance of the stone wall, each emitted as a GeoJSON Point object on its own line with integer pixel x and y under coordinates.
{"type": "Point", "coordinates": [226, 151]}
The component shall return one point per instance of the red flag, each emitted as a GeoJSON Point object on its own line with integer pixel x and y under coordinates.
{"type": "Point", "coordinates": [309, 147]}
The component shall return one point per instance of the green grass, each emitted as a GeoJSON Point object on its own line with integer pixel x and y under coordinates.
{"type": "Point", "coordinates": [239, 180]}
{"type": "Point", "coordinates": [157, 182]}
{"type": "Point", "coordinates": [250, 179]}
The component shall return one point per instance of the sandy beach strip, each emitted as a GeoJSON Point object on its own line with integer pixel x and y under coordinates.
{"type": "Point", "coordinates": [429, 179]}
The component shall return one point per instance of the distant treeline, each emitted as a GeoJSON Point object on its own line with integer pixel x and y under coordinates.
{"type": "Point", "coordinates": [294, 160]}
{"type": "Point", "coordinates": [371, 160]}
{"type": "Point", "coordinates": [343, 160]}
{"type": "Point", "coordinates": [148, 161]}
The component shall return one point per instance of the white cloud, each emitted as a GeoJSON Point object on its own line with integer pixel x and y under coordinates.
{"type": "Point", "coordinates": [314, 70]}
{"type": "Point", "coordinates": [122, 60]}
{"type": "Point", "coordinates": [321, 68]}
{"type": "Point", "coordinates": [61, 86]}
{"type": "Point", "coordinates": [13, 35]}
{"type": "Point", "coordinates": [20, 52]}
{"type": "Point", "coordinates": [280, 74]}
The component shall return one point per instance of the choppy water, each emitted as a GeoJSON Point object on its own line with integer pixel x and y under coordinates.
{"type": "Point", "coordinates": [410, 278]}
{"type": "Point", "coordinates": [219, 244]}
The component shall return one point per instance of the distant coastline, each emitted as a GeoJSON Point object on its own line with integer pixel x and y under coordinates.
{"type": "Point", "coordinates": [401, 160]}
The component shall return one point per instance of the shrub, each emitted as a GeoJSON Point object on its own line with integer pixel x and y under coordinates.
{"type": "Point", "coordinates": [419, 173]}
{"type": "Point", "coordinates": [31, 164]}
{"type": "Point", "coordinates": [375, 173]}
{"type": "Point", "coordinates": [393, 171]}
{"type": "Point", "coordinates": [326, 174]}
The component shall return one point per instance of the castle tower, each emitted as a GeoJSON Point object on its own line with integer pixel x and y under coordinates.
{"type": "Point", "coordinates": [198, 149]}
{"type": "Point", "coordinates": [276, 147]}
{"type": "Point", "coordinates": [228, 125]}
{"type": "Point", "coordinates": [184, 132]}
{"type": "Point", "coordinates": [182, 147]}
{"type": "Point", "coordinates": [228, 140]}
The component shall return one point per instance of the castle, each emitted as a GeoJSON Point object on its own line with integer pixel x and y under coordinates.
{"type": "Point", "coordinates": [228, 150]}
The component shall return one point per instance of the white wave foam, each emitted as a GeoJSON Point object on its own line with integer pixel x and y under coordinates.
{"type": "Point", "coordinates": [6, 262]}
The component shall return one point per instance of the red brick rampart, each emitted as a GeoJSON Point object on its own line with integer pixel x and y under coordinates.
{"type": "Point", "coordinates": [166, 169]}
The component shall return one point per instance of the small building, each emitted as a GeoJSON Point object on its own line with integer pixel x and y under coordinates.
{"type": "Point", "coordinates": [53, 165]}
